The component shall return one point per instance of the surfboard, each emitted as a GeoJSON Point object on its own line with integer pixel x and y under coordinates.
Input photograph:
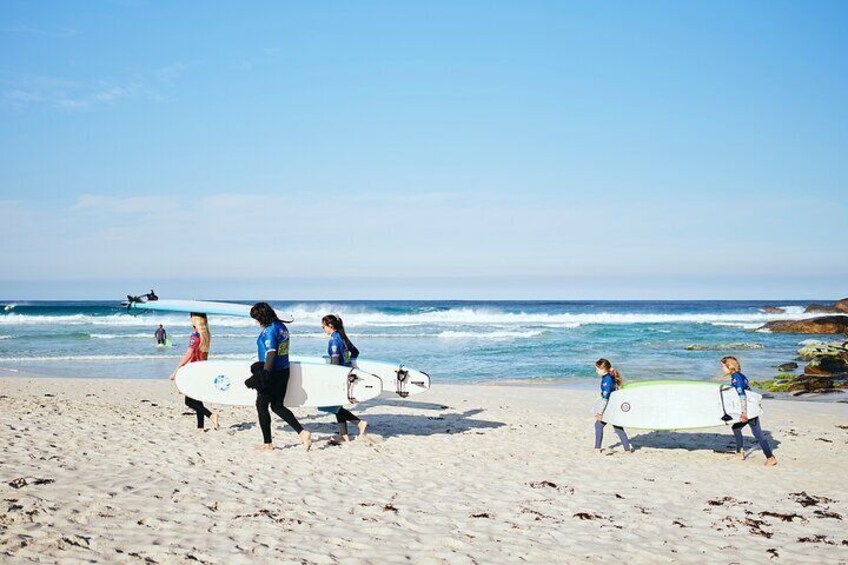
{"type": "Point", "coordinates": [396, 377]}
{"type": "Point", "coordinates": [200, 306]}
{"type": "Point", "coordinates": [222, 382]}
{"type": "Point", "coordinates": [677, 405]}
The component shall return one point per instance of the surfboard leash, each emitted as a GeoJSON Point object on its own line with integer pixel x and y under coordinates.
{"type": "Point", "coordinates": [727, 417]}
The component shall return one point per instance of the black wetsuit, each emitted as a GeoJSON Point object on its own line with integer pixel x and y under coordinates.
{"type": "Point", "coordinates": [272, 394]}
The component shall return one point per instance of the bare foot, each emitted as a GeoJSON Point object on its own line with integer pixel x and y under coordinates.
{"type": "Point", "coordinates": [214, 419]}
{"type": "Point", "coordinates": [362, 425]}
{"type": "Point", "coordinates": [599, 450]}
{"type": "Point", "coordinates": [740, 455]}
{"type": "Point", "coordinates": [771, 461]}
{"type": "Point", "coordinates": [200, 430]}
{"type": "Point", "coordinates": [265, 447]}
{"type": "Point", "coordinates": [306, 438]}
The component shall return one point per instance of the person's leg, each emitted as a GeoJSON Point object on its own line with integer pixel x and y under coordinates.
{"type": "Point", "coordinates": [262, 401]}
{"type": "Point", "coordinates": [737, 438]}
{"type": "Point", "coordinates": [279, 386]}
{"type": "Point", "coordinates": [199, 409]}
{"type": "Point", "coordinates": [622, 435]}
{"type": "Point", "coordinates": [761, 438]}
{"type": "Point", "coordinates": [599, 433]}
{"type": "Point", "coordinates": [285, 414]}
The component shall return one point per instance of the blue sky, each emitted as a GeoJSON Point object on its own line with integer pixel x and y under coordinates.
{"type": "Point", "coordinates": [424, 150]}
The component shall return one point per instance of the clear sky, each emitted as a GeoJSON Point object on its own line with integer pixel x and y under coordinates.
{"type": "Point", "coordinates": [426, 149]}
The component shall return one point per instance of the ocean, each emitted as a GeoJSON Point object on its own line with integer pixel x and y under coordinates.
{"type": "Point", "coordinates": [454, 341]}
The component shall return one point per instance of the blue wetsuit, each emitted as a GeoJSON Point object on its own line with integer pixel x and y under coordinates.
{"type": "Point", "coordinates": [740, 383]}
{"type": "Point", "coordinates": [607, 388]}
{"type": "Point", "coordinates": [274, 338]}
{"type": "Point", "coordinates": [337, 350]}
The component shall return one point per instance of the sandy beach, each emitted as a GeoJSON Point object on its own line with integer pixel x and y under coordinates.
{"type": "Point", "coordinates": [113, 471]}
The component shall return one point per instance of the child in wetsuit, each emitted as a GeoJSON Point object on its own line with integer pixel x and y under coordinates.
{"type": "Point", "coordinates": [610, 380]}
{"type": "Point", "coordinates": [341, 352]}
{"type": "Point", "coordinates": [738, 381]}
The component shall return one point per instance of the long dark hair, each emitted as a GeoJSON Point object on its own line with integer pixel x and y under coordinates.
{"type": "Point", "coordinates": [335, 322]}
{"type": "Point", "coordinates": [264, 314]}
{"type": "Point", "coordinates": [605, 365]}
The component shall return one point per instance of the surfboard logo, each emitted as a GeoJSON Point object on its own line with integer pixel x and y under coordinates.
{"type": "Point", "coordinates": [222, 383]}
{"type": "Point", "coordinates": [625, 407]}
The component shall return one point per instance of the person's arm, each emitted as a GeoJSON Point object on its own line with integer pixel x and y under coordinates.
{"type": "Point", "coordinates": [737, 383]}
{"type": "Point", "coordinates": [606, 390]}
{"type": "Point", "coordinates": [269, 359]}
{"type": "Point", "coordinates": [335, 353]}
{"type": "Point", "coordinates": [184, 361]}
{"type": "Point", "coordinates": [271, 345]}
{"type": "Point", "coordinates": [203, 329]}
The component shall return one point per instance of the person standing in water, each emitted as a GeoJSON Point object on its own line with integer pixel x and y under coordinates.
{"type": "Point", "coordinates": [610, 381]}
{"type": "Point", "coordinates": [342, 352]}
{"type": "Point", "coordinates": [271, 374]}
{"type": "Point", "coordinates": [198, 350]}
{"type": "Point", "coordinates": [730, 365]}
{"type": "Point", "coordinates": [161, 335]}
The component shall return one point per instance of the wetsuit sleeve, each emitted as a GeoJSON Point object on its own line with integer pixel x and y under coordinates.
{"type": "Point", "coordinates": [607, 386]}
{"type": "Point", "coordinates": [335, 352]}
{"type": "Point", "coordinates": [738, 383]}
{"type": "Point", "coordinates": [191, 351]}
{"type": "Point", "coordinates": [271, 341]}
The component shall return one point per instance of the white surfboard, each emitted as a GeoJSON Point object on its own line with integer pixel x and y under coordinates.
{"type": "Point", "coordinates": [222, 382]}
{"type": "Point", "coordinates": [199, 306]}
{"type": "Point", "coordinates": [396, 378]}
{"type": "Point", "coordinates": [677, 405]}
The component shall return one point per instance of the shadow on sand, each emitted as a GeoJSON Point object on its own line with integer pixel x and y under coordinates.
{"type": "Point", "coordinates": [697, 441]}
{"type": "Point", "coordinates": [394, 425]}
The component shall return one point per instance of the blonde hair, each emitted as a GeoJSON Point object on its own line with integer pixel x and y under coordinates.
{"type": "Point", "coordinates": [605, 365]}
{"type": "Point", "coordinates": [732, 363]}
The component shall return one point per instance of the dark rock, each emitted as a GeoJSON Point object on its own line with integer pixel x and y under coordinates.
{"type": "Point", "coordinates": [826, 366]}
{"type": "Point", "coordinates": [772, 310]}
{"type": "Point", "coordinates": [821, 325]}
{"type": "Point", "coordinates": [808, 383]}
{"type": "Point", "coordinates": [841, 306]}
{"type": "Point", "coordinates": [819, 309]}
{"type": "Point", "coordinates": [787, 367]}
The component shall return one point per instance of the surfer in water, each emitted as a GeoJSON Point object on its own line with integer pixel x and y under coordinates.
{"type": "Point", "coordinates": [610, 381]}
{"type": "Point", "coordinates": [198, 350]}
{"type": "Point", "coordinates": [342, 352]}
{"type": "Point", "coordinates": [161, 335]}
{"type": "Point", "coordinates": [271, 374]}
{"type": "Point", "coordinates": [730, 365]}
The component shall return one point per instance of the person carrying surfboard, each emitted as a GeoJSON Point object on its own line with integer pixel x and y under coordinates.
{"type": "Point", "coordinates": [730, 365]}
{"type": "Point", "coordinates": [342, 352]}
{"type": "Point", "coordinates": [272, 379]}
{"type": "Point", "coordinates": [198, 350]}
{"type": "Point", "coordinates": [610, 380]}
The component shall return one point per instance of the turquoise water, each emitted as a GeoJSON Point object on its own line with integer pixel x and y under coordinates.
{"type": "Point", "coordinates": [454, 341]}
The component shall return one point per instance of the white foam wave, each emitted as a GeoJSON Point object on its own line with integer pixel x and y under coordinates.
{"type": "Point", "coordinates": [361, 317]}
{"type": "Point", "coordinates": [128, 357]}
{"type": "Point", "coordinates": [499, 335]}
{"type": "Point", "coordinates": [6, 336]}
{"type": "Point", "coordinates": [170, 336]}
{"type": "Point", "coordinates": [743, 325]}
{"type": "Point", "coordinates": [9, 307]}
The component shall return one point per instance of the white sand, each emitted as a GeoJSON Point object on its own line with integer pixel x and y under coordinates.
{"type": "Point", "coordinates": [462, 474]}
